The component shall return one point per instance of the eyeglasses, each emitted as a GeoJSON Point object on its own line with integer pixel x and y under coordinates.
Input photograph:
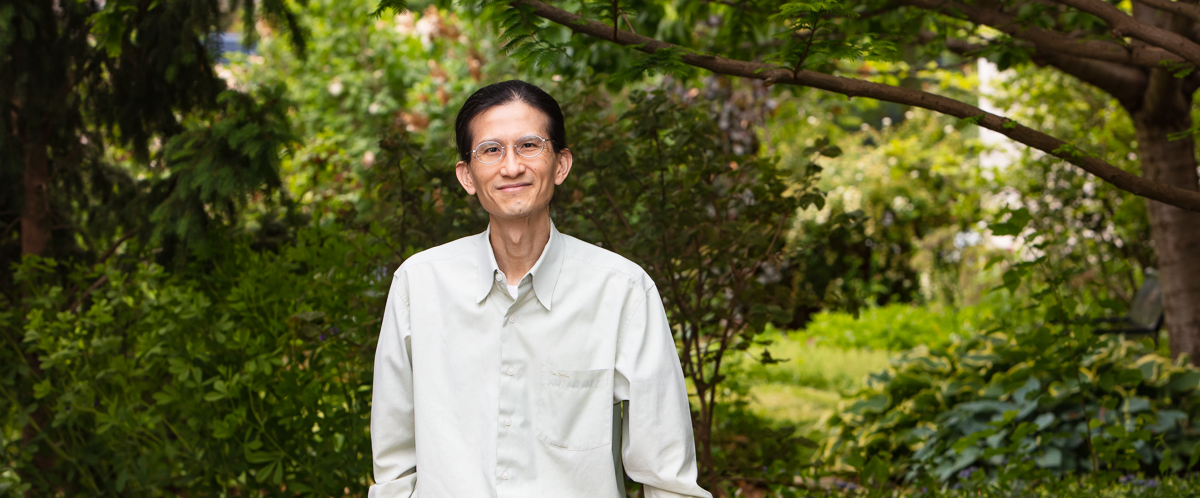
{"type": "Point", "coordinates": [492, 152]}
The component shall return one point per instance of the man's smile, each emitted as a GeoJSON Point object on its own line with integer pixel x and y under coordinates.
{"type": "Point", "coordinates": [514, 187]}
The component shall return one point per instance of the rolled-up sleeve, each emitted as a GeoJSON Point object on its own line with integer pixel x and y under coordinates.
{"type": "Point", "coordinates": [657, 448]}
{"type": "Point", "coordinates": [393, 438]}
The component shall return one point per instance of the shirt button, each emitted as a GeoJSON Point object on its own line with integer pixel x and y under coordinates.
{"type": "Point", "coordinates": [499, 277]}
{"type": "Point", "coordinates": [512, 371]}
{"type": "Point", "coordinates": [512, 319]}
{"type": "Point", "coordinates": [505, 476]}
{"type": "Point", "coordinates": [508, 422]}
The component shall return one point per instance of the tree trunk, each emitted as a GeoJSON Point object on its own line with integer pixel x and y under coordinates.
{"type": "Point", "coordinates": [1175, 232]}
{"type": "Point", "coordinates": [35, 219]}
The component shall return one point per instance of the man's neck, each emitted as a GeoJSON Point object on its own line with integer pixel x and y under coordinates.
{"type": "Point", "coordinates": [518, 243]}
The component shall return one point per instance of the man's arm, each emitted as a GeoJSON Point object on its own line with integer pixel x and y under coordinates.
{"type": "Point", "coordinates": [658, 449]}
{"type": "Point", "coordinates": [393, 438]}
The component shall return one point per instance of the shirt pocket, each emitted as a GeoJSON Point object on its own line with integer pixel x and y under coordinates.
{"type": "Point", "coordinates": [574, 408]}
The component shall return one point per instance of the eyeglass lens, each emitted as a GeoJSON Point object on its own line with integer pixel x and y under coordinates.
{"type": "Point", "coordinates": [490, 152]}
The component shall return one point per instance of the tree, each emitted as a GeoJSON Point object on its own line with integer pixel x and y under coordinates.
{"type": "Point", "coordinates": [115, 127]}
{"type": "Point", "coordinates": [92, 93]}
{"type": "Point", "coordinates": [1142, 56]}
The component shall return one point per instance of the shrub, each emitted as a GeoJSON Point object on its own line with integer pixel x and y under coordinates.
{"type": "Point", "coordinates": [250, 375]}
{"type": "Point", "coordinates": [898, 327]}
{"type": "Point", "coordinates": [1044, 398]}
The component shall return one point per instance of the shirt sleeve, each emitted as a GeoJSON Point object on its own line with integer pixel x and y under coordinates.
{"type": "Point", "coordinates": [657, 447]}
{"type": "Point", "coordinates": [393, 436]}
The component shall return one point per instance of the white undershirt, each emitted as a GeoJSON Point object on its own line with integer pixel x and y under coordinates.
{"type": "Point", "coordinates": [512, 289]}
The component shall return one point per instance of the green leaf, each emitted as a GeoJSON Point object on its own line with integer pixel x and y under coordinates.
{"type": "Point", "coordinates": [42, 389]}
{"type": "Point", "coordinates": [877, 403]}
{"type": "Point", "coordinates": [1014, 225]}
{"type": "Point", "coordinates": [1184, 381]}
{"type": "Point", "coordinates": [973, 120]}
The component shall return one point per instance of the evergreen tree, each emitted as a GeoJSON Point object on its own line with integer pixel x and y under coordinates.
{"type": "Point", "coordinates": [118, 137]}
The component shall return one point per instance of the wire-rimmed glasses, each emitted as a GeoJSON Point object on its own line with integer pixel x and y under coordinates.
{"type": "Point", "coordinates": [492, 152]}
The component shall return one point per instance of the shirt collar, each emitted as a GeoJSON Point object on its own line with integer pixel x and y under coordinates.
{"type": "Point", "coordinates": [545, 271]}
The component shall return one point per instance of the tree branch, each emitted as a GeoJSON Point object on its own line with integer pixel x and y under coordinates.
{"type": "Point", "coordinates": [988, 13]}
{"type": "Point", "coordinates": [1121, 81]}
{"type": "Point", "coordinates": [1124, 83]}
{"type": "Point", "coordinates": [1123, 180]}
{"type": "Point", "coordinates": [1187, 10]}
{"type": "Point", "coordinates": [1123, 24]}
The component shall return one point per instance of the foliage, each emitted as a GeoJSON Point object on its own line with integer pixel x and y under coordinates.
{"type": "Point", "coordinates": [1084, 223]}
{"type": "Point", "coordinates": [218, 163]}
{"type": "Point", "coordinates": [92, 91]}
{"type": "Point", "coordinates": [899, 224]}
{"type": "Point", "coordinates": [899, 327]}
{"type": "Point", "coordinates": [1062, 399]}
{"type": "Point", "coordinates": [250, 375]}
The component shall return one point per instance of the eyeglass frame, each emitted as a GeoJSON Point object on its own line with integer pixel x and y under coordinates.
{"type": "Point", "coordinates": [504, 149]}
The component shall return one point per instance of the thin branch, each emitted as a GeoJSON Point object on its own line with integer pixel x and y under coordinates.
{"type": "Point", "coordinates": [1175, 196]}
{"type": "Point", "coordinates": [988, 13]}
{"type": "Point", "coordinates": [113, 249]}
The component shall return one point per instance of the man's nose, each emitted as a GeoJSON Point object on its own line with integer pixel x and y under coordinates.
{"type": "Point", "coordinates": [511, 165]}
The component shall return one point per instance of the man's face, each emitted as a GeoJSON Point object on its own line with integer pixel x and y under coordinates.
{"type": "Point", "coordinates": [515, 186]}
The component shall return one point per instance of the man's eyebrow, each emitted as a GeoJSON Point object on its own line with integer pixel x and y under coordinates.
{"type": "Point", "coordinates": [523, 135]}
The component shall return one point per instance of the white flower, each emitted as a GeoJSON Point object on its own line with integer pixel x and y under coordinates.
{"type": "Point", "coordinates": [335, 88]}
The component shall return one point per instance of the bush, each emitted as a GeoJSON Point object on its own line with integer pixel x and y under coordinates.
{"type": "Point", "coordinates": [1045, 398]}
{"type": "Point", "coordinates": [898, 327]}
{"type": "Point", "coordinates": [250, 375]}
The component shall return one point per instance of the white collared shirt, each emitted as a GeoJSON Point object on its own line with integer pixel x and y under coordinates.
{"type": "Point", "coordinates": [480, 395]}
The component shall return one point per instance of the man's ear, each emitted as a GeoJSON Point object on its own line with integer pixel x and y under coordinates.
{"type": "Point", "coordinates": [463, 171]}
{"type": "Point", "coordinates": [564, 166]}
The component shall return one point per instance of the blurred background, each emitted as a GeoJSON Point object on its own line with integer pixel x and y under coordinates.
{"type": "Point", "coordinates": [203, 203]}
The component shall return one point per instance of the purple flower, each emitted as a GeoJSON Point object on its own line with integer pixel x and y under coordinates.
{"type": "Point", "coordinates": [1127, 478]}
{"type": "Point", "coordinates": [321, 337]}
{"type": "Point", "coordinates": [334, 330]}
{"type": "Point", "coordinates": [966, 473]}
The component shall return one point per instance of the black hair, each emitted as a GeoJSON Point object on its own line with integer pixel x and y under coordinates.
{"type": "Point", "coordinates": [507, 92]}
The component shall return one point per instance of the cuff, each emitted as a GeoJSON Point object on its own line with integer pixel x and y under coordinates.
{"type": "Point", "coordinates": [404, 487]}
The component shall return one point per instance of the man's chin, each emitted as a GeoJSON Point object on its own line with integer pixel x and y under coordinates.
{"type": "Point", "coordinates": [515, 212]}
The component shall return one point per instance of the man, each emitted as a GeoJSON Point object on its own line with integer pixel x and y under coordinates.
{"type": "Point", "coordinates": [504, 357]}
